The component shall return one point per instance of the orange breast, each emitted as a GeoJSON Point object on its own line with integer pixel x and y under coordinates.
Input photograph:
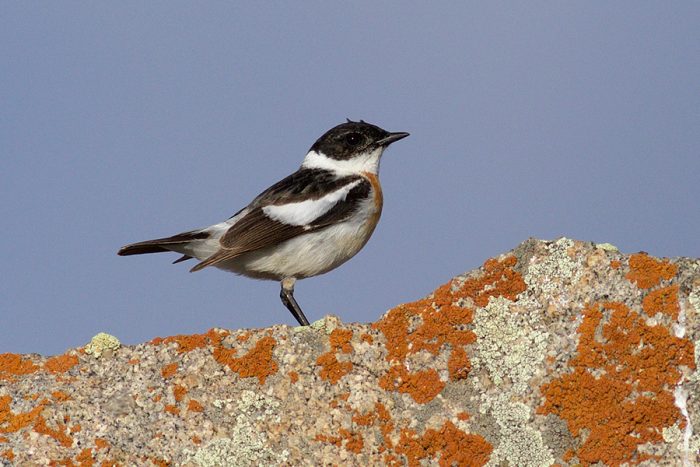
{"type": "Point", "coordinates": [378, 199]}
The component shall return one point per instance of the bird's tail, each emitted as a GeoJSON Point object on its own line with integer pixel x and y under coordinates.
{"type": "Point", "coordinates": [160, 245]}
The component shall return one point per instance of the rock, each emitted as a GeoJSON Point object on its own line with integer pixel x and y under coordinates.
{"type": "Point", "coordinates": [557, 352]}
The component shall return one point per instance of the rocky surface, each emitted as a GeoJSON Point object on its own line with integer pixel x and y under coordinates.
{"type": "Point", "coordinates": [558, 352]}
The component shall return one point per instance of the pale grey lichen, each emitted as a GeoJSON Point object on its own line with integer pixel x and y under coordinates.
{"type": "Point", "coordinates": [694, 299]}
{"type": "Point", "coordinates": [687, 444]}
{"type": "Point", "coordinates": [100, 343]}
{"type": "Point", "coordinates": [555, 270]}
{"type": "Point", "coordinates": [326, 324]}
{"type": "Point", "coordinates": [607, 247]}
{"type": "Point", "coordinates": [695, 375]}
{"type": "Point", "coordinates": [247, 445]}
{"type": "Point", "coordinates": [518, 444]}
{"type": "Point", "coordinates": [215, 453]}
{"type": "Point", "coordinates": [672, 434]}
{"type": "Point", "coordinates": [510, 345]}
{"type": "Point", "coordinates": [221, 403]}
{"type": "Point", "coordinates": [686, 440]}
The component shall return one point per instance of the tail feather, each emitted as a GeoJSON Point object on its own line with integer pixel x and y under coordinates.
{"type": "Point", "coordinates": [160, 245]}
{"type": "Point", "coordinates": [141, 248]}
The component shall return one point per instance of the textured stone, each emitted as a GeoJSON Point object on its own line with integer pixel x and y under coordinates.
{"type": "Point", "coordinates": [560, 352]}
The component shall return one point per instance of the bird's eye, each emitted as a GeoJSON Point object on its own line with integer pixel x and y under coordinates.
{"type": "Point", "coordinates": [353, 139]}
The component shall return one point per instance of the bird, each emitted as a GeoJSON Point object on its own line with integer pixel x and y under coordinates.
{"type": "Point", "coordinates": [307, 224]}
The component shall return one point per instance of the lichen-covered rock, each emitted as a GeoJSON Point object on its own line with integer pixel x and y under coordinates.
{"type": "Point", "coordinates": [558, 352]}
{"type": "Point", "coordinates": [101, 343]}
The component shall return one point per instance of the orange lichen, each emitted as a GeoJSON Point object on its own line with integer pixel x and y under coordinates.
{"type": "Point", "coordinates": [620, 393]}
{"type": "Point", "coordinates": [648, 272]}
{"type": "Point", "coordinates": [11, 422]}
{"type": "Point", "coordinates": [12, 365]}
{"type": "Point", "coordinates": [364, 337]}
{"type": "Point", "coordinates": [224, 355]}
{"type": "Point", "coordinates": [379, 417]}
{"type": "Point", "coordinates": [243, 337]}
{"type": "Point", "coordinates": [463, 416]}
{"type": "Point", "coordinates": [8, 454]}
{"type": "Point", "coordinates": [195, 406]}
{"type": "Point", "coordinates": [340, 340]}
{"type": "Point", "coordinates": [386, 424]}
{"type": "Point", "coordinates": [76, 428]}
{"type": "Point", "coordinates": [67, 462]}
{"type": "Point", "coordinates": [439, 320]}
{"type": "Point", "coordinates": [188, 343]}
{"type": "Point", "coordinates": [59, 433]}
{"type": "Point", "coordinates": [60, 396]}
{"type": "Point", "coordinates": [196, 439]}
{"type": "Point", "coordinates": [172, 409]}
{"type": "Point", "coordinates": [257, 362]}
{"type": "Point", "coordinates": [458, 365]}
{"type": "Point", "coordinates": [169, 370]}
{"type": "Point", "coordinates": [60, 363]}
{"type": "Point", "coordinates": [664, 300]}
{"type": "Point", "coordinates": [568, 455]}
{"type": "Point", "coordinates": [293, 376]}
{"type": "Point", "coordinates": [101, 443]}
{"type": "Point", "coordinates": [437, 324]}
{"type": "Point", "coordinates": [179, 392]}
{"type": "Point", "coordinates": [335, 440]}
{"type": "Point", "coordinates": [351, 441]}
{"type": "Point", "coordinates": [332, 369]}
{"type": "Point", "coordinates": [3, 439]}
{"type": "Point", "coordinates": [69, 379]}
{"type": "Point", "coordinates": [85, 458]}
{"type": "Point", "coordinates": [615, 264]}
{"type": "Point", "coordinates": [423, 386]}
{"type": "Point", "coordinates": [159, 462]}
{"type": "Point", "coordinates": [364, 420]}
{"type": "Point", "coordinates": [499, 280]}
{"type": "Point", "coordinates": [449, 445]}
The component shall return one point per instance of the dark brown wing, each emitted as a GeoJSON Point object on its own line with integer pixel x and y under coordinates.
{"type": "Point", "coordinates": [302, 184]}
{"type": "Point", "coordinates": [158, 245]}
{"type": "Point", "coordinates": [256, 230]}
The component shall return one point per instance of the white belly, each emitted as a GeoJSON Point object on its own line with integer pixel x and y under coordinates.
{"type": "Point", "coordinates": [304, 256]}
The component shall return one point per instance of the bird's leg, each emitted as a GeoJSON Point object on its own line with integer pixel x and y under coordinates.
{"type": "Point", "coordinates": [287, 296]}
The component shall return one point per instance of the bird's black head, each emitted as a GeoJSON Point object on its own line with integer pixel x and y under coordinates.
{"type": "Point", "coordinates": [350, 139]}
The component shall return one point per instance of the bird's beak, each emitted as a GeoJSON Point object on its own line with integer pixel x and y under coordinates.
{"type": "Point", "coordinates": [392, 137]}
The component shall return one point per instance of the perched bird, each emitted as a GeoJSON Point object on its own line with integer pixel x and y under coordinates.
{"type": "Point", "coordinates": [306, 224]}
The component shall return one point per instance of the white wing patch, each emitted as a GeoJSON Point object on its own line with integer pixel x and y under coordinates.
{"type": "Point", "coordinates": [305, 212]}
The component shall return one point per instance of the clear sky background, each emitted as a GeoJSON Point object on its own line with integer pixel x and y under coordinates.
{"type": "Point", "coordinates": [124, 121]}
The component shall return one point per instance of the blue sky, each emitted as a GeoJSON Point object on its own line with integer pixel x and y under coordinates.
{"type": "Point", "coordinates": [133, 120]}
